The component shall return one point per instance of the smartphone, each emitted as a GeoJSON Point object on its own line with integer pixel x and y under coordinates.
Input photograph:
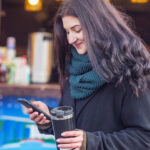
{"type": "Point", "coordinates": [28, 104]}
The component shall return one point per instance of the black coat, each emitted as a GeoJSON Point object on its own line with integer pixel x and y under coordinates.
{"type": "Point", "coordinates": [113, 118]}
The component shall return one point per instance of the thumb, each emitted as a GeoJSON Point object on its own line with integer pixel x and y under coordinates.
{"type": "Point", "coordinates": [35, 103]}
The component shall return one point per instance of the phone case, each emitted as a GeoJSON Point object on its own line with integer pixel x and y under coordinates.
{"type": "Point", "coordinates": [27, 104]}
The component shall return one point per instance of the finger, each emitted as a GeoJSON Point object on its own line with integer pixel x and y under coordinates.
{"type": "Point", "coordinates": [39, 118]}
{"type": "Point", "coordinates": [36, 103]}
{"type": "Point", "coordinates": [72, 133]}
{"type": "Point", "coordinates": [29, 111]}
{"type": "Point", "coordinates": [43, 121]}
{"type": "Point", "coordinates": [70, 140]}
{"type": "Point", "coordinates": [71, 146]}
{"type": "Point", "coordinates": [47, 121]}
{"type": "Point", "coordinates": [34, 115]}
{"type": "Point", "coordinates": [77, 149]}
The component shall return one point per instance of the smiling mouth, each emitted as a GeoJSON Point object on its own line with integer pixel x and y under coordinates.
{"type": "Point", "coordinates": [78, 45]}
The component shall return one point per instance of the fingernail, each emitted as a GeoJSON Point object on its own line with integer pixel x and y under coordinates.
{"type": "Point", "coordinates": [58, 145]}
{"type": "Point", "coordinates": [63, 134]}
{"type": "Point", "coordinates": [57, 140]}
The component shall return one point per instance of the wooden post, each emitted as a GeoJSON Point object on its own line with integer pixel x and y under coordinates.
{"type": "Point", "coordinates": [2, 13]}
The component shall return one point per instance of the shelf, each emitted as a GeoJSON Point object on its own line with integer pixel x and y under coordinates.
{"type": "Point", "coordinates": [33, 90]}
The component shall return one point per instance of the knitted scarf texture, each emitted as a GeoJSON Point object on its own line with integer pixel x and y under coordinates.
{"type": "Point", "coordinates": [83, 78]}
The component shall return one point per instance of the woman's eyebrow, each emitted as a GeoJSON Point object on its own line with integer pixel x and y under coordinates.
{"type": "Point", "coordinates": [75, 26]}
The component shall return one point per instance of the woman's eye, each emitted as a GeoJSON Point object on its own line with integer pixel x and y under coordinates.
{"type": "Point", "coordinates": [78, 30]}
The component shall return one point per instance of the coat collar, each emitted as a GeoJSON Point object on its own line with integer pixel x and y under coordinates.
{"type": "Point", "coordinates": [81, 104]}
{"type": "Point", "coordinates": [78, 105]}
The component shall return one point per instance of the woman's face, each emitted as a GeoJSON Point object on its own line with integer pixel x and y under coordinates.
{"type": "Point", "coordinates": [74, 33]}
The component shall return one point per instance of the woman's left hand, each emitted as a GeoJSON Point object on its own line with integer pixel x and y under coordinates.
{"type": "Point", "coordinates": [73, 140]}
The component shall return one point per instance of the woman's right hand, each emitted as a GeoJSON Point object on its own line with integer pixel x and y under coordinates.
{"type": "Point", "coordinates": [35, 116]}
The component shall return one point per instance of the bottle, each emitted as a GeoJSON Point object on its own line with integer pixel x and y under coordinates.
{"type": "Point", "coordinates": [25, 71]}
{"type": "Point", "coordinates": [18, 70]}
{"type": "Point", "coordinates": [11, 48]}
{"type": "Point", "coordinates": [3, 73]}
{"type": "Point", "coordinates": [22, 74]}
{"type": "Point", "coordinates": [11, 73]}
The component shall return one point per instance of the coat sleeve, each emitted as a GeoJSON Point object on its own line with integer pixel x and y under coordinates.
{"type": "Point", "coordinates": [135, 117]}
{"type": "Point", "coordinates": [46, 128]}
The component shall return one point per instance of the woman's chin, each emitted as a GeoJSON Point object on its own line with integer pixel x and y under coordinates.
{"type": "Point", "coordinates": [81, 51]}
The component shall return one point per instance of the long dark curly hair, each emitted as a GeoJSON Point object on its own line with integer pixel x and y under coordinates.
{"type": "Point", "coordinates": [115, 51]}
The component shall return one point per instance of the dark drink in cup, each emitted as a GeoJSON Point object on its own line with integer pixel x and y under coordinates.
{"type": "Point", "coordinates": [62, 120]}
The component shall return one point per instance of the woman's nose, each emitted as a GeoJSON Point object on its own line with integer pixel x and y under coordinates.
{"type": "Point", "coordinates": [71, 39]}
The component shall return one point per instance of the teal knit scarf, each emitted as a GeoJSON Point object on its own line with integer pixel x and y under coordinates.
{"type": "Point", "coordinates": [83, 79]}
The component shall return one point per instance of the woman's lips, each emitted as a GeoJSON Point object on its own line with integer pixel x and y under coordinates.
{"type": "Point", "coordinates": [78, 45]}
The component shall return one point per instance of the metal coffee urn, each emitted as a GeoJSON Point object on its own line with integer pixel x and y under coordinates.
{"type": "Point", "coordinates": [40, 52]}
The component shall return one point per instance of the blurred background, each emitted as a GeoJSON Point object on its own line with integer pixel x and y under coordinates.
{"type": "Point", "coordinates": [28, 64]}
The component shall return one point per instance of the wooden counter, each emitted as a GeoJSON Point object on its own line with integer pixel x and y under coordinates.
{"type": "Point", "coordinates": [35, 90]}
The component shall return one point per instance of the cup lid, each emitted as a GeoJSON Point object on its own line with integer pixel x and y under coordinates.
{"type": "Point", "coordinates": [62, 111]}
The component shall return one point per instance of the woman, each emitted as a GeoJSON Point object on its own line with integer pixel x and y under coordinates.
{"type": "Point", "coordinates": [104, 74]}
